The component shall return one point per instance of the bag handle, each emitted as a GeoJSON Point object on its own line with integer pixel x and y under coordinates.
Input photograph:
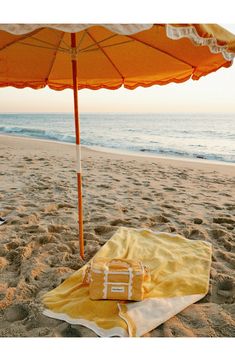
{"type": "Point", "coordinates": [115, 260]}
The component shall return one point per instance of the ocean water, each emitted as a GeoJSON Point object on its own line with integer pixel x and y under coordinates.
{"type": "Point", "coordinates": [192, 136]}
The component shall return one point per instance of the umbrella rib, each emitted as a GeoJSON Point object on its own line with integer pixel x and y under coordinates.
{"type": "Point", "coordinates": [53, 59]}
{"type": "Point", "coordinates": [81, 40]}
{"type": "Point", "coordinates": [107, 46]}
{"type": "Point", "coordinates": [45, 47]}
{"type": "Point", "coordinates": [106, 55]}
{"type": "Point", "coordinates": [97, 42]}
{"type": "Point", "coordinates": [22, 38]}
{"type": "Point", "coordinates": [162, 51]}
{"type": "Point", "coordinates": [47, 43]}
{"type": "Point", "coordinates": [66, 45]}
{"type": "Point", "coordinates": [19, 41]}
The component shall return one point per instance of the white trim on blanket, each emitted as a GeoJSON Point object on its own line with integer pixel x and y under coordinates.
{"type": "Point", "coordinates": [151, 309]}
{"type": "Point", "coordinates": [115, 331]}
{"type": "Point", "coordinates": [156, 311]}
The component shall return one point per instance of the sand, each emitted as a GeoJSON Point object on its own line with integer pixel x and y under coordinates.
{"type": "Point", "coordinates": [39, 247]}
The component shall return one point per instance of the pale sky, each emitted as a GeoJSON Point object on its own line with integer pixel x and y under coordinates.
{"type": "Point", "coordinates": [212, 93]}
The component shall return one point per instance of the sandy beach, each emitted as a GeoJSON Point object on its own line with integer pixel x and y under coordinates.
{"type": "Point", "coordinates": [39, 246]}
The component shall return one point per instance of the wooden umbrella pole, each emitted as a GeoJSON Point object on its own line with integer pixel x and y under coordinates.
{"type": "Point", "coordinates": [78, 146]}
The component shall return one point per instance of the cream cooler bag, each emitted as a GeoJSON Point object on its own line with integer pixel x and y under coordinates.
{"type": "Point", "coordinates": [116, 279]}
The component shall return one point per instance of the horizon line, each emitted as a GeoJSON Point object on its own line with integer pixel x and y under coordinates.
{"type": "Point", "coordinates": [120, 112]}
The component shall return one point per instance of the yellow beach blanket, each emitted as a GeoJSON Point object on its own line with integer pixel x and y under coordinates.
{"type": "Point", "coordinates": [179, 269]}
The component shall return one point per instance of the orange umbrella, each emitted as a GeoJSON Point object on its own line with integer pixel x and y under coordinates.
{"type": "Point", "coordinates": [109, 56]}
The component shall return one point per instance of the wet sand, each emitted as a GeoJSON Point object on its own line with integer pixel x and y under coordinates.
{"type": "Point", "coordinates": [39, 246]}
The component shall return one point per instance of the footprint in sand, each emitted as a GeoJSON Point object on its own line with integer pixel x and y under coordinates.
{"type": "Point", "coordinates": [103, 229]}
{"type": "Point", "coordinates": [106, 186]}
{"type": "Point", "coordinates": [46, 238]}
{"type": "Point", "coordinates": [147, 199]}
{"type": "Point", "coordinates": [90, 236]}
{"type": "Point", "coordinates": [160, 219]}
{"type": "Point", "coordinates": [57, 228]}
{"type": "Point", "coordinates": [12, 245]}
{"type": "Point", "coordinates": [230, 228]}
{"type": "Point", "coordinates": [218, 233]}
{"type": "Point", "coordinates": [66, 205]}
{"type": "Point", "coordinates": [120, 222]}
{"type": "Point", "coordinates": [16, 313]}
{"type": "Point", "coordinates": [229, 206]}
{"type": "Point", "coordinates": [198, 221]}
{"type": "Point", "coordinates": [66, 330]}
{"type": "Point", "coordinates": [221, 220]}
{"type": "Point", "coordinates": [34, 228]}
{"type": "Point", "coordinates": [27, 159]}
{"type": "Point", "coordinates": [15, 220]}
{"type": "Point", "coordinates": [196, 234]}
{"type": "Point", "coordinates": [98, 219]}
{"type": "Point", "coordinates": [227, 245]}
{"type": "Point", "coordinates": [225, 286]}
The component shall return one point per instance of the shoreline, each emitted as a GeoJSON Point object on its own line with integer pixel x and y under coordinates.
{"type": "Point", "coordinates": [204, 164]}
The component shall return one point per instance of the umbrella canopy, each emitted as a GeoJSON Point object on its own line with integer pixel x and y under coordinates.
{"type": "Point", "coordinates": [109, 56]}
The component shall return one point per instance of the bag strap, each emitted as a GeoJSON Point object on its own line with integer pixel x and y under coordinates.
{"type": "Point", "coordinates": [115, 260]}
{"type": "Point", "coordinates": [86, 277]}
